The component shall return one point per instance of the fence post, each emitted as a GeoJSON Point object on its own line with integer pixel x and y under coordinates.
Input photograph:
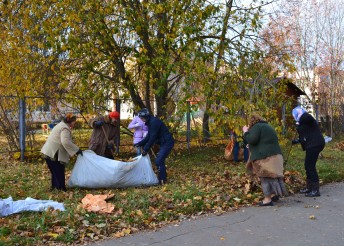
{"type": "Point", "coordinates": [118, 140]}
{"type": "Point", "coordinates": [188, 125]}
{"type": "Point", "coordinates": [284, 130]}
{"type": "Point", "coordinates": [22, 130]}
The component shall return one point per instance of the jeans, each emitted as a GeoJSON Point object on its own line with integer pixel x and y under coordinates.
{"type": "Point", "coordinates": [160, 160]}
{"type": "Point", "coordinates": [236, 149]}
{"type": "Point", "coordinates": [138, 151]}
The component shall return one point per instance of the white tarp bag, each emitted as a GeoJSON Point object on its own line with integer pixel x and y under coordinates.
{"type": "Point", "coordinates": [8, 206]}
{"type": "Point", "coordinates": [94, 171]}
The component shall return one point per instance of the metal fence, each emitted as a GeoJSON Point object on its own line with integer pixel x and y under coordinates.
{"type": "Point", "coordinates": [25, 124]}
{"type": "Point", "coordinates": [24, 120]}
{"type": "Point", "coordinates": [329, 116]}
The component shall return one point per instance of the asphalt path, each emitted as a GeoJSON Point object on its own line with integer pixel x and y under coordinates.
{"type": "Point", "coordinates": [294, 220]}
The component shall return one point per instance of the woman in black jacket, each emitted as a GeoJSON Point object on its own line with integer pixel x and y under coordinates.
{"type": "Point", "coordinates": [313, 142]}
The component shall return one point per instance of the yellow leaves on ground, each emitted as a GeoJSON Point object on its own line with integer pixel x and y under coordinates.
{"type": "Point", "coordinates": [50, 234]}
{"type": "Point", "coordinates": [139, 213]}
{"type": "Point", "coordinates": [16, 155]}
{"type": "Point", "coordinates": [247, 188]}
{"type": "Point", "coordinates": [198, 198]}
{"type": "Point", "coordinates": [122, 233]}
{"type": "Point", "coordinates": [97, 203]}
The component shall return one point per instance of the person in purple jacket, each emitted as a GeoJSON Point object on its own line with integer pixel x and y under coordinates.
{"type": "Point", "coordinates": [140, 131]}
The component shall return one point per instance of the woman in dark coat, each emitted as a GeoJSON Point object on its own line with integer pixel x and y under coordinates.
{"type": "Point", "coordinates": [266, 160]}
{"type": "Point", "coordinates": [104, 134]}
{"type": "Point", "coordinates": [313, 142]}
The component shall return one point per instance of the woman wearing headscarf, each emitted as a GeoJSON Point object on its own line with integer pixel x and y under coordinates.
{"type": "Point", "coordinates": [104, 135]}
{"type": "Point", "coordinates": [266, 160]}
{"type": "Point", "coordinates": [313, 142]}
{"type": "Point", "coordinates": [58, 149]}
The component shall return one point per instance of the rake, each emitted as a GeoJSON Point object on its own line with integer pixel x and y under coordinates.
{"type": "Point", "coordinates": [291, 146]}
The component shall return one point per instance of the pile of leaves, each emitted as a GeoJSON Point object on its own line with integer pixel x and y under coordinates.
{"type": "Point", "coordinates": [200, 182]}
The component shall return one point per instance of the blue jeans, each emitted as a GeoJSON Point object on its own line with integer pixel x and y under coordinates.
{"type": "Point", "coordinates": [160, 160]}
{"type": "Point", "coordinates": [138, 151]}
{"type": "Point", "coordinates": [236, 149]}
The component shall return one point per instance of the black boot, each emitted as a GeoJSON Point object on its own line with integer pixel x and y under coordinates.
{"type": "Point", "coordinates": [314, 190]}
{"type": "Point", "coordinates": [307, 188]}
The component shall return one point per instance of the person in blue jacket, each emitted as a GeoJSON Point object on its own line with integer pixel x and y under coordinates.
{"type": "Point", "coordinates": [158, 133]}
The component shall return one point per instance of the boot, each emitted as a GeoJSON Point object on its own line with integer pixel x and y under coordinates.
{"type": "Point", "coordinates": [307, 188]}
{"type": "Point", "coordinates": [314, 190]}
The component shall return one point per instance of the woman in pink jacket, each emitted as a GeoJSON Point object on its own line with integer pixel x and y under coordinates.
{"type": "Point", "coordinates": [140, 132]}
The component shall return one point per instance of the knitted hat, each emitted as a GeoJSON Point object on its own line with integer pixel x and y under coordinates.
{"type": "Point", "coordinates": [114, 115]}
{"type": "Point", "coordinates": [143, 113]}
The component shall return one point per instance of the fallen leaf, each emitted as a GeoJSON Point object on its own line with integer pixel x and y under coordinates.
{"type": "Point", "coordinates": [97, 203]}
{"type": "Point", "coordinates": [139, 213]}
{"type": "Point", "coordinates": [312, 217]}
{"type": "Point", "coordinates": [100, 225]}
{"type": "Point", "coordinates": [119, 234]}
{"type": "Point", "coordinates": [54, 235]}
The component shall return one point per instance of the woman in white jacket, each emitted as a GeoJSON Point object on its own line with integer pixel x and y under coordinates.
{"type": "Point", "coordinates": [58, 149]}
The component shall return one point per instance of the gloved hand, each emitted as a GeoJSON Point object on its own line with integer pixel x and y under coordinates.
{"type": "Point", "coordinates": [110, 146]}
{"type": "Point", "coordinates": [295, 141]}
{"type": "Point", "coordinates": [98, 123]}
{"type": "Point", "coordinates": [79, 152]}
{"type": "Point", "coordinates": [144, 153]}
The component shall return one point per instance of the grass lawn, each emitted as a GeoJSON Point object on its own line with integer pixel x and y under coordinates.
{"type": "Point", "coordinates": [200, 181]}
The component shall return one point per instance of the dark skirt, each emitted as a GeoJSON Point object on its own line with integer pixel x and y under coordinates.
{"type": "Point", "coordinates": [273, 186]}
